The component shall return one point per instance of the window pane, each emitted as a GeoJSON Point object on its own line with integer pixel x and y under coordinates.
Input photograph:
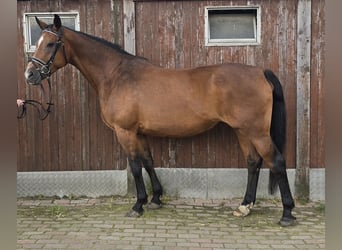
{"type": "Point", "coordinates": [69, 22]}
{"type": "Point", "coordinates": [36, 31]}
{"type": "Point", "coordinates": [232, 24]}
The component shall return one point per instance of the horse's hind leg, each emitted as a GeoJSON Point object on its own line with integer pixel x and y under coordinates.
{"type": "Point", "coordinates": [254, 162]}
{"type": "Point", "coordinates": [276, 162]}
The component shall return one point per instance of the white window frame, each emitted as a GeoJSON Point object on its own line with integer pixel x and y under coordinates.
{"type": "Point", "coordinates": [233, 42]}
{"type": "Point", "coordinates": [30, 48]}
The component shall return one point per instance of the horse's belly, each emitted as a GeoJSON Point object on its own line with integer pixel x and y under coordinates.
{"type": "Point", "coordinates": [177, 128]}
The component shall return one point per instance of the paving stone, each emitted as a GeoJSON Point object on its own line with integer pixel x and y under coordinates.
{"type": "Point", "coordinates": [186, 224]}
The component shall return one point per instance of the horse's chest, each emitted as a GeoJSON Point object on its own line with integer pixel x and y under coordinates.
{"type": "Point", "coordinates": [119, 113]}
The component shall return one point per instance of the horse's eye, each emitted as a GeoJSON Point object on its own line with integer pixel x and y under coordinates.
{"type": "Point", "coordinates": [51, 44]}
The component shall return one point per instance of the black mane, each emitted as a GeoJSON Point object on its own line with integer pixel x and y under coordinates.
{"type": "Point", "coordinates": [104, 42]}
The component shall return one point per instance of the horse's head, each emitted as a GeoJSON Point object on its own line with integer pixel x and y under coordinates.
{"type": "Point", "coordinates": [49, 55]}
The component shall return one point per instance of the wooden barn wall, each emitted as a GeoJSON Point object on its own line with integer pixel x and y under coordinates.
{"type": "Point", "coordinates": [170, 34]}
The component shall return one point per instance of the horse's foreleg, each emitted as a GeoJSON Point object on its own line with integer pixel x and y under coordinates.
{"type": "Point", "coordinates": [156, 186]}
{"type": "Point", "coordinates": [131, 144]}
{"type": "Point", "coordinates": [136, 169]}
{"type": "Point", "coordinates": [147, 161]}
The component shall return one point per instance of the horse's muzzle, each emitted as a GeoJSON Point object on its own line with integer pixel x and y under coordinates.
{"type": "Point", "coordinates": [33, 77]}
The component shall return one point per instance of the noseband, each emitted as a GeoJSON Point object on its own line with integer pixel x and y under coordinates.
{"type": "Point", "coordinates": [45, 72]}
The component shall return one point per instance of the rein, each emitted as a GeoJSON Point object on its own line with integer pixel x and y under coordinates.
{"type": "Point", "coordinates": [42, 111]}
{"type": "Point", "coordinates": [45, 73]}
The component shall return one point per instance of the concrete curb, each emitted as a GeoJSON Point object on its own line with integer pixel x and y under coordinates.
{"type": "Point", "coordinates": [177, 182]}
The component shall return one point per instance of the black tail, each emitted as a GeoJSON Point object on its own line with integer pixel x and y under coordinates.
{"type": "Point", "coordinates": [278, 122]}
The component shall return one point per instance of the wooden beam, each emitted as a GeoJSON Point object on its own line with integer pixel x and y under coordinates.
{"type": "Point", "coordinates": [129, 26]}
{"type": "Point", "coordinates": [303, 97]}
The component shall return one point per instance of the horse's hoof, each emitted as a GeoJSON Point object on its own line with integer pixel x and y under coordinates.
{"type": "Point", "coordinates": [288, 221]}
{"type": "Point", "coordinates": [133, 214]}
{"type": "Point", "coordinates": [153, 206]}
{"type": "Point", "coordinates": [243, 210]}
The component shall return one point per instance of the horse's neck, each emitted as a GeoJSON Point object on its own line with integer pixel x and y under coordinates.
{"type": "Point", "coordinates": [93, 59]}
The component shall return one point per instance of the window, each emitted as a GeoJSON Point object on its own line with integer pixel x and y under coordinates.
{"type": "Point", "coordinates": [32, 31]}
{"type": "Point", "coordinates": [229, 26]}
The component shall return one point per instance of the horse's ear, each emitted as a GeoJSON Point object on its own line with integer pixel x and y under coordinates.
{"type": "Point", "coordinates": [40, 23]}
{"type": "Point", "coordinates": [57, 22]}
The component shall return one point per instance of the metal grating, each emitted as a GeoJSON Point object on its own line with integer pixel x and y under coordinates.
{"type": "Point", "coordinates": [77, 183]}
{"type": "Point", "coordinates": [317, 184]}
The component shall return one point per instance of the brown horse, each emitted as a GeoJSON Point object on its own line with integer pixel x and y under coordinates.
{"type": "Point", "coordinates": [138, 99]}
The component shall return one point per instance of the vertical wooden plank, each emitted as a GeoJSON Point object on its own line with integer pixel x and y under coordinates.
{"type": "Point", "coordinates": [169, 53]}
{"type": "Point", "coordinates": [220, 145]}
{"type": "Point", "coordinates": [53, 124]}
{"type": "Point", "coordinates": [178, 43]}
{"type": "Point", "coordinates": [117, 22]}
{"type": "Point", "coordinates": [213, 57]}
{"type": "Point", "coordinates": [101, 22]}
{"type": "Point", "coordinates": [317, 89]}
{"type": "Point", "coordinates": [75, 105]}
{"type": "Point", "coordinates": [41, 127]}
{"type": "Point", "coordinates": [187, 29]}
{"type": "Point", "coordinates": [118, 159]}
{"type": "Point", "coordinates": [157, 9]}
{"type": "Point", "coordinates": [103, 133]}
{"type": "Point", "coordinates": [69, 150]}
{"type": "Point", "coordinates": [91, 7]}
{"type": "Point", "coordinates": [303, 97]}
{"type": "Point", "coordinates": [139, 26]}
{"type": "Point", "coordinates": [200, 152]}
{"type": "Point", "coordinates": [108, 133]}
{"type": "Point", "coordinates": [121, 156]}
{"type": "Point", "coordinates": [179, 34]}
{"type": "Point", "coordinates": [60, 110]}
{"type": "Point", "coordinates": [289, 85]}
{"type": "Point", "coordinates": [321, 119]}
{"type": "Point", "coordinates": [163, 143]}
{"type": "Point", "coordinates": [129, 26]}
{"type": "Point", "coordinates": [275, 35]}
{"type": "Point", "coordinates": [45, 162]}
{"type": "Point", "coordinates": [84, 101]}
{"type": "Point", "coordinates": [170, 35]}
{"type": "Point", "coordinates": [194, 51]}
{"type": "Point", "coordinates": [315, 53]}
{"type": "Point", "coordinates": [266, 44]}
{"type": "Point", "coordinates": [186, 143]}
{"type": "Point", "coordinates": [282, 39]}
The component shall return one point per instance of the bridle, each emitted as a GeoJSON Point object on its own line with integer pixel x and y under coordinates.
{"type": "Point", "coordinates": [44, 69]}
